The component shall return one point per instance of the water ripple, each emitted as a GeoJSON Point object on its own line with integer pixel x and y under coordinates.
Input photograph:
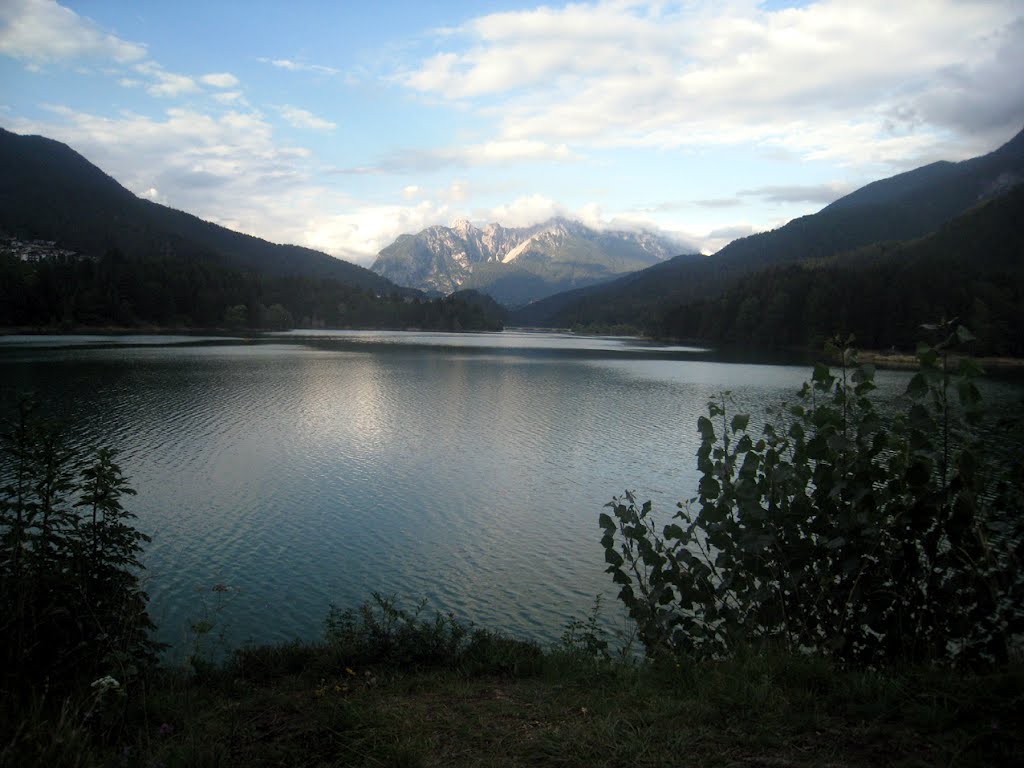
{"type": "Point", "coordinates": [306, 474]}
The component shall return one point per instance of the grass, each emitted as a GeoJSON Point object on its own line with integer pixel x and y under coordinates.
{"type": "Point", "coordinates": [388, 688]}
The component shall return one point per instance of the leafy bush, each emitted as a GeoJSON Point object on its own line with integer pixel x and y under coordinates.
{"type": "Point", "coordinates": [71, 607]}
{"type": "Point", "coordinates": [839, 530]}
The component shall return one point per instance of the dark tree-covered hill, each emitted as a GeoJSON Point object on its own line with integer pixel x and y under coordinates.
{"type": "Point", "coordinates": [906, 206]}
{"type": "Point", "coordinates": [50, 192]}
{"type": "Point", "coordinates": [972, 269]}
{"type": "Point", "coordinates": [627, 300]}
{"type": "Point", "coordinates": [112, 259]}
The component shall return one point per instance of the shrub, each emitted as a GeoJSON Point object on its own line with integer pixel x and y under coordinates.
{"type": "Point", "coordinates": [71, 608]}
{"type": "Point", "coordinates": [838, 530]}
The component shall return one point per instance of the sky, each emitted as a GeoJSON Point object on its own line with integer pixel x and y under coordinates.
{"type": "Point", "coordinates": [340, 125]}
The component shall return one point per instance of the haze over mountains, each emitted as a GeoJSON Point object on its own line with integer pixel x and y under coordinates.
{"type": "Point", "coordinates": [521, 264]}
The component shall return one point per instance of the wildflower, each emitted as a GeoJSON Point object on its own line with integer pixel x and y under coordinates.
{"type": "Point", "coordinates": [105, 683]}
{"type": "Point", "coordinates": [349, 671]}
{"type": "Point", "coordinates": [166, 729]}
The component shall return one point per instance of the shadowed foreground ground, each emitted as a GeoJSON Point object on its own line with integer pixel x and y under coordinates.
{"type": "Point", "coordinates": [513, 705]}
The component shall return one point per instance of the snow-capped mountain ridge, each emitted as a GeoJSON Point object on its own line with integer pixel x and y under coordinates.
{"type": "Point", "coordinates": [540, 260]}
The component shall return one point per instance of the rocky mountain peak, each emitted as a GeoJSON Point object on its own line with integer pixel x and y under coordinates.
{"type": "Point", "coordinates": [517, 264]}
{"type": "Point", "coordinates": [463, 227]}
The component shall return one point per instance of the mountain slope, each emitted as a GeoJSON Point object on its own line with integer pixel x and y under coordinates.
{"type": "Point", "coordinates": [972, 269]}
{"type": "Point", "coordinates": [516, 265]}
{"type": "Point", "coordinates": [902, 207]}
{"type": "Point", "coordinates": [49, 191]}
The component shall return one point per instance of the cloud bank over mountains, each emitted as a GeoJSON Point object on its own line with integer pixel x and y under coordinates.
{"type": "Point", "coordinates": [702, 119]}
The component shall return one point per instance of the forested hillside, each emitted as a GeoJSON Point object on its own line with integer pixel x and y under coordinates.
{"type": "Point", "coordinates": [903, 207]}
{"type": "Point", "coordinates": [72, 291]}
{"type": "Point", "coordinates": [50, 192]}
{"type": "Point", "coordinates": [973, 269]}
{"type": "Point", "coordinates": [109, 258]}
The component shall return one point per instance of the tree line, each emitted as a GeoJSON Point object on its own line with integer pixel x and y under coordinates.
{"type": "Point", "coordinates": [122, 290]}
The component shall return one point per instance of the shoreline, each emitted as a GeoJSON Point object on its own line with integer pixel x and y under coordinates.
{"type": "Point", "coordinates": [905, 361]}
{"type": "Point", "coordinates": [900, 361]}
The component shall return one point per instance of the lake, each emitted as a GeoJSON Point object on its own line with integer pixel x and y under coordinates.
{"type": "Point", "coordinates": [312, 468]}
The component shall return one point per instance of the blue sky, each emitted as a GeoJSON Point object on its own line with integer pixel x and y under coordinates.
{"type": "Point", "coordinates": [340, 125]}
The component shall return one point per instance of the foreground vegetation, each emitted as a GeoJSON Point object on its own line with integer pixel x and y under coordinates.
{"type": "Point", "coordinates": [838, 530]}
{"type": "Point", "coordinates": [390, 688]}
{"type": "Point", "coordinates": [844, 590]}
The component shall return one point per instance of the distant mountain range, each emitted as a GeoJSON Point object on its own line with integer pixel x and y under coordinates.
{"type": "Point", "coordinates": [521, 264]}
{"type": "Point", "coordinates": [903, 207]}
{"type": "Point", "coordinates": [940, 240]}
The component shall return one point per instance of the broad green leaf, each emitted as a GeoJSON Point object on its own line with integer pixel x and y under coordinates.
{"type": "Point", "coordinates": [963, 335]}
{"type": "Point", "coordinates": [739, 422]}
{"type": "Point", "coordinates": [706, 428]}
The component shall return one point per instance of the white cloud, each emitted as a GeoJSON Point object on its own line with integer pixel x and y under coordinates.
{"type": "Point", "coordinates": [717, 239]}
{"type": "Point", "coordinates": [231, 170]}
{"type": "Point", "coordinates": [301, 118]}
{"type": "Point", "coordinates": [512, 150]}
{"type": "Point", "coordinates": [164, 83]}
{"type": "Point", "coordinates": [523, 211]}
{"type": "Point", "coordinates": [799, 193]}
{"type": "Point", "coordinates": [43, 31]}
{"type": "Point", "coordinates": [230, 97]}
{"type": "Point", "coordinates": [361, 232]}
{"type": "Point", "coordinates": [490, 153]}
{"type": "Point", "coordinates": [219, 80]}
{"type": "Point", "coordinates": [226, 168]}
{"type": "Point", "coordinates": [878, 82]}
{"type": "Point", "coordinates": [298, 66]}
{"type": "Point", "coordinates": [457, 192]}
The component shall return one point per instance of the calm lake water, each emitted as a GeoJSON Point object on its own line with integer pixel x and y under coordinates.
{"type": "Point", "coordinates": [307, 469]}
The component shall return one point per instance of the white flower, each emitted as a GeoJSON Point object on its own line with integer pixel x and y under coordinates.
{"type": "Point", "coordinates": [106, 683]}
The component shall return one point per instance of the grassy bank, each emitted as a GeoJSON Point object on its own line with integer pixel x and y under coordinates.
{"type": "Point", "coordinates": [381, 695]}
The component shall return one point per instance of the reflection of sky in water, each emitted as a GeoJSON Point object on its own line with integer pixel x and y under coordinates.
{"type": "Point", "coordinates": [306, 474]}
{"type": "Point", "coordinates": [510, 339]}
